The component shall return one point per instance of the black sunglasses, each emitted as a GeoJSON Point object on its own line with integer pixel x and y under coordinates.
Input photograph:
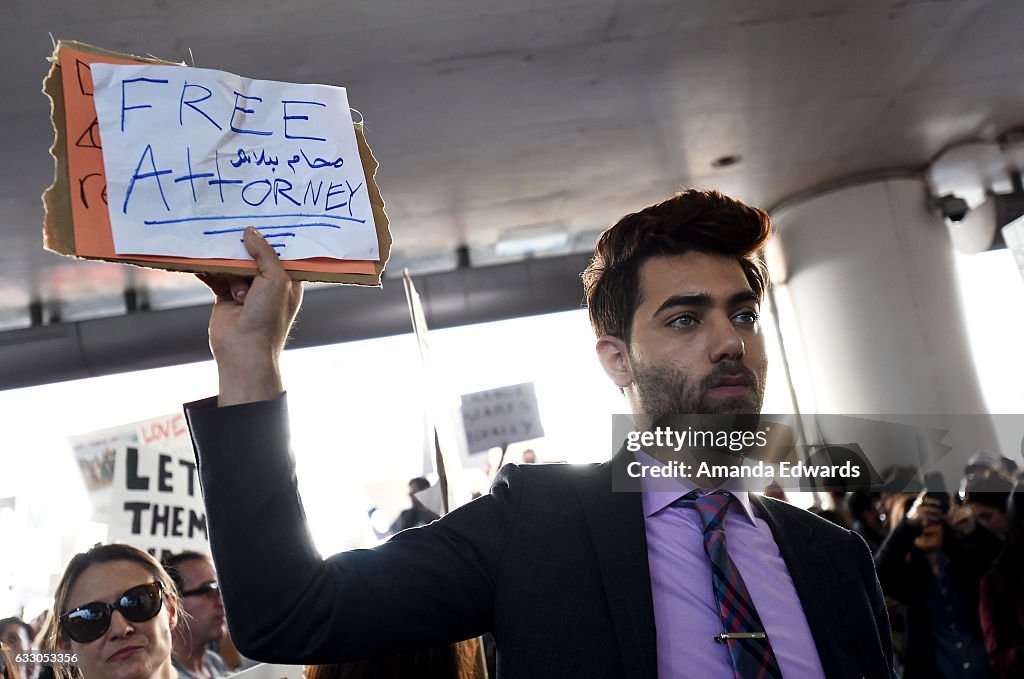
{"type": "Point", "coordinates": [89, 622]}
{"type": "Point", "coordinates": [204, 589]}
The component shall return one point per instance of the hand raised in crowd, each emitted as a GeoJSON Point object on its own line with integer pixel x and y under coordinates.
{"type": "Point", "coordinates": [250, 323]}
{"type": "Point", "coordinates": [962, 520]}
{"type": "Point", "coordinates": [925, 511]}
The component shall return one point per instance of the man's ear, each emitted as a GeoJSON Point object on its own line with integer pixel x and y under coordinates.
{"type": "Point", "coordinates": [613, 353]}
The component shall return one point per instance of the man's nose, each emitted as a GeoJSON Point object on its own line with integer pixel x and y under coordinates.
{"type": "Point", "coordinates": [724, 340]}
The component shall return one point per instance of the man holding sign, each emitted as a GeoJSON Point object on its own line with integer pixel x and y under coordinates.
{"type": "Point", "coordinates": [572, 578]}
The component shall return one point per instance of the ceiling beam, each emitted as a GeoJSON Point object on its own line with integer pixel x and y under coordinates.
{"type": "Point", "coordinates": [154, 339]}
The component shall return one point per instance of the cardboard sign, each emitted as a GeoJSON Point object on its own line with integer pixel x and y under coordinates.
{"type": "Point", "coordinates": [77, 220]}
{"type": "Point", "coordinates": [498, 417]}
{"type": "Point", "coordinates": [155, 502]}
{"type": "Point", "coordinates": [192, 156]}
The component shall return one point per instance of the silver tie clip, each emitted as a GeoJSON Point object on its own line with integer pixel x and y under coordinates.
{"type": "Point", "coordinates": [725, 636]}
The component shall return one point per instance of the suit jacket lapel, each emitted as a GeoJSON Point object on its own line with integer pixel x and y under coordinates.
{"type": "Point", "coordinates": [616, 522]}
{"type": "Point", "coordinates": [812, 572]}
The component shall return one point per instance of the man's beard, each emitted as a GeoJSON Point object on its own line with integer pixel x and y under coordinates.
{"type": "Point", "coordinates": [665, 391]}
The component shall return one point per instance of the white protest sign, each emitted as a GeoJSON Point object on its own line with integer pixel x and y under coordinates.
{"type": "Point", "coordinates": [95, 452]}
{"type": "Point", "coordinates": [1013, 234]}
{"type": "Point", "coordinates": [192, 156]}
{"type": "Point", "coordinates": [156, 503]}
{"type": "Point", "coordinates": [430, 497]}
{"type": "Point", "coordinates": [269, 671]}
{"type": "Point", "coordinates": [497, 417]}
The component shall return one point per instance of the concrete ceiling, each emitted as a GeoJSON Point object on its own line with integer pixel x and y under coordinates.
{"type": "Point", "coordinates": [491, 117]}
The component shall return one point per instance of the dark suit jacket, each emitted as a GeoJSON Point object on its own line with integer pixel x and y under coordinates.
{"type": "Point", "coordinates": [551, 561]}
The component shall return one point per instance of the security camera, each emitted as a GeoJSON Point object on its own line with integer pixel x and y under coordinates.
{"type": "Point", "coordinates": [953, 208]}
{"type": "Point", "coordinates": [970, 229]}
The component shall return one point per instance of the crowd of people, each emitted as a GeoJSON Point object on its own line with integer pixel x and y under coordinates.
{"type": "Point", "coordinates": [562, 575]}
{"type": "Point", "coordinates": [944, 561]}
{"type": "Point", "coordinates": [950, 566]}
{"type": "Point", "coordinates": [121, 614]}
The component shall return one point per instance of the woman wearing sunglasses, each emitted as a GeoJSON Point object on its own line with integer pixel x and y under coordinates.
{"type": "Point", "coordinates": [114, 610]}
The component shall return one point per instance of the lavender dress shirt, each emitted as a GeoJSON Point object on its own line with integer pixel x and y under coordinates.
{"type": "Point", "coordinates": [685, 613]}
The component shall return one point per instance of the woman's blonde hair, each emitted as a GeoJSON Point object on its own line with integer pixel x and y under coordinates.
{"type": "Point", "coordinates": [53, 635]}
{"type": "Point", "coordinates": [8, 670]}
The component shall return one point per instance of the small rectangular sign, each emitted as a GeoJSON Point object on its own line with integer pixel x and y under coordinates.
{"type": "Point", "coordinates": [498, 417]}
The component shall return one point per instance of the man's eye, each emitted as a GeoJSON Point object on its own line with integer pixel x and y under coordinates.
{"type": "Point", "coordinates": [748, 317]}
{"type": "Point", "coordinates": [684, 321]}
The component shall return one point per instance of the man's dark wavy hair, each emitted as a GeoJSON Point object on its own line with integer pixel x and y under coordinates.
{"type": "Point", "coordinates": [171, 563]}
{"type": "Point", "coordinates": [691, 221]}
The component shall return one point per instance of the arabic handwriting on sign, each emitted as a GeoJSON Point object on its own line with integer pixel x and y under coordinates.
{"type": "Point", "coordinates": [244, 157]}
{"type": "Point", "coordinates": [318, 163]}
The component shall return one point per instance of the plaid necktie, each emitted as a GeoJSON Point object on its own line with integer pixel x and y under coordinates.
{"type": "Point", "coordinates": [751, 658]}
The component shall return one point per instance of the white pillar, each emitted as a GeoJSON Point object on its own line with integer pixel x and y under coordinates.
{"type": "Point", "coordinates": [875, 307]}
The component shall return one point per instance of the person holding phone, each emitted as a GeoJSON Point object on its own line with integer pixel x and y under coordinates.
{"type": "Point", "coordinates": [932, 563]}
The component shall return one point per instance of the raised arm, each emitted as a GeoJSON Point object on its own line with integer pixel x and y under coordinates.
{"type": "Point", "coordinates": [250, 324]}
{"type": "Point", "coordinates": [426, 586]}
{"type": "Point", "coordinates": [284, 602]}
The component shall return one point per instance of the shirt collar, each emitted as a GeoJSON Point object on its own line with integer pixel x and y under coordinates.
{"type": "Point", "coordinates": [661, 492]}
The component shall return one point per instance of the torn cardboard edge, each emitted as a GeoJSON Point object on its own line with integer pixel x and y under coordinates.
{"type": "Point", "coordinates": [58, 223]}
